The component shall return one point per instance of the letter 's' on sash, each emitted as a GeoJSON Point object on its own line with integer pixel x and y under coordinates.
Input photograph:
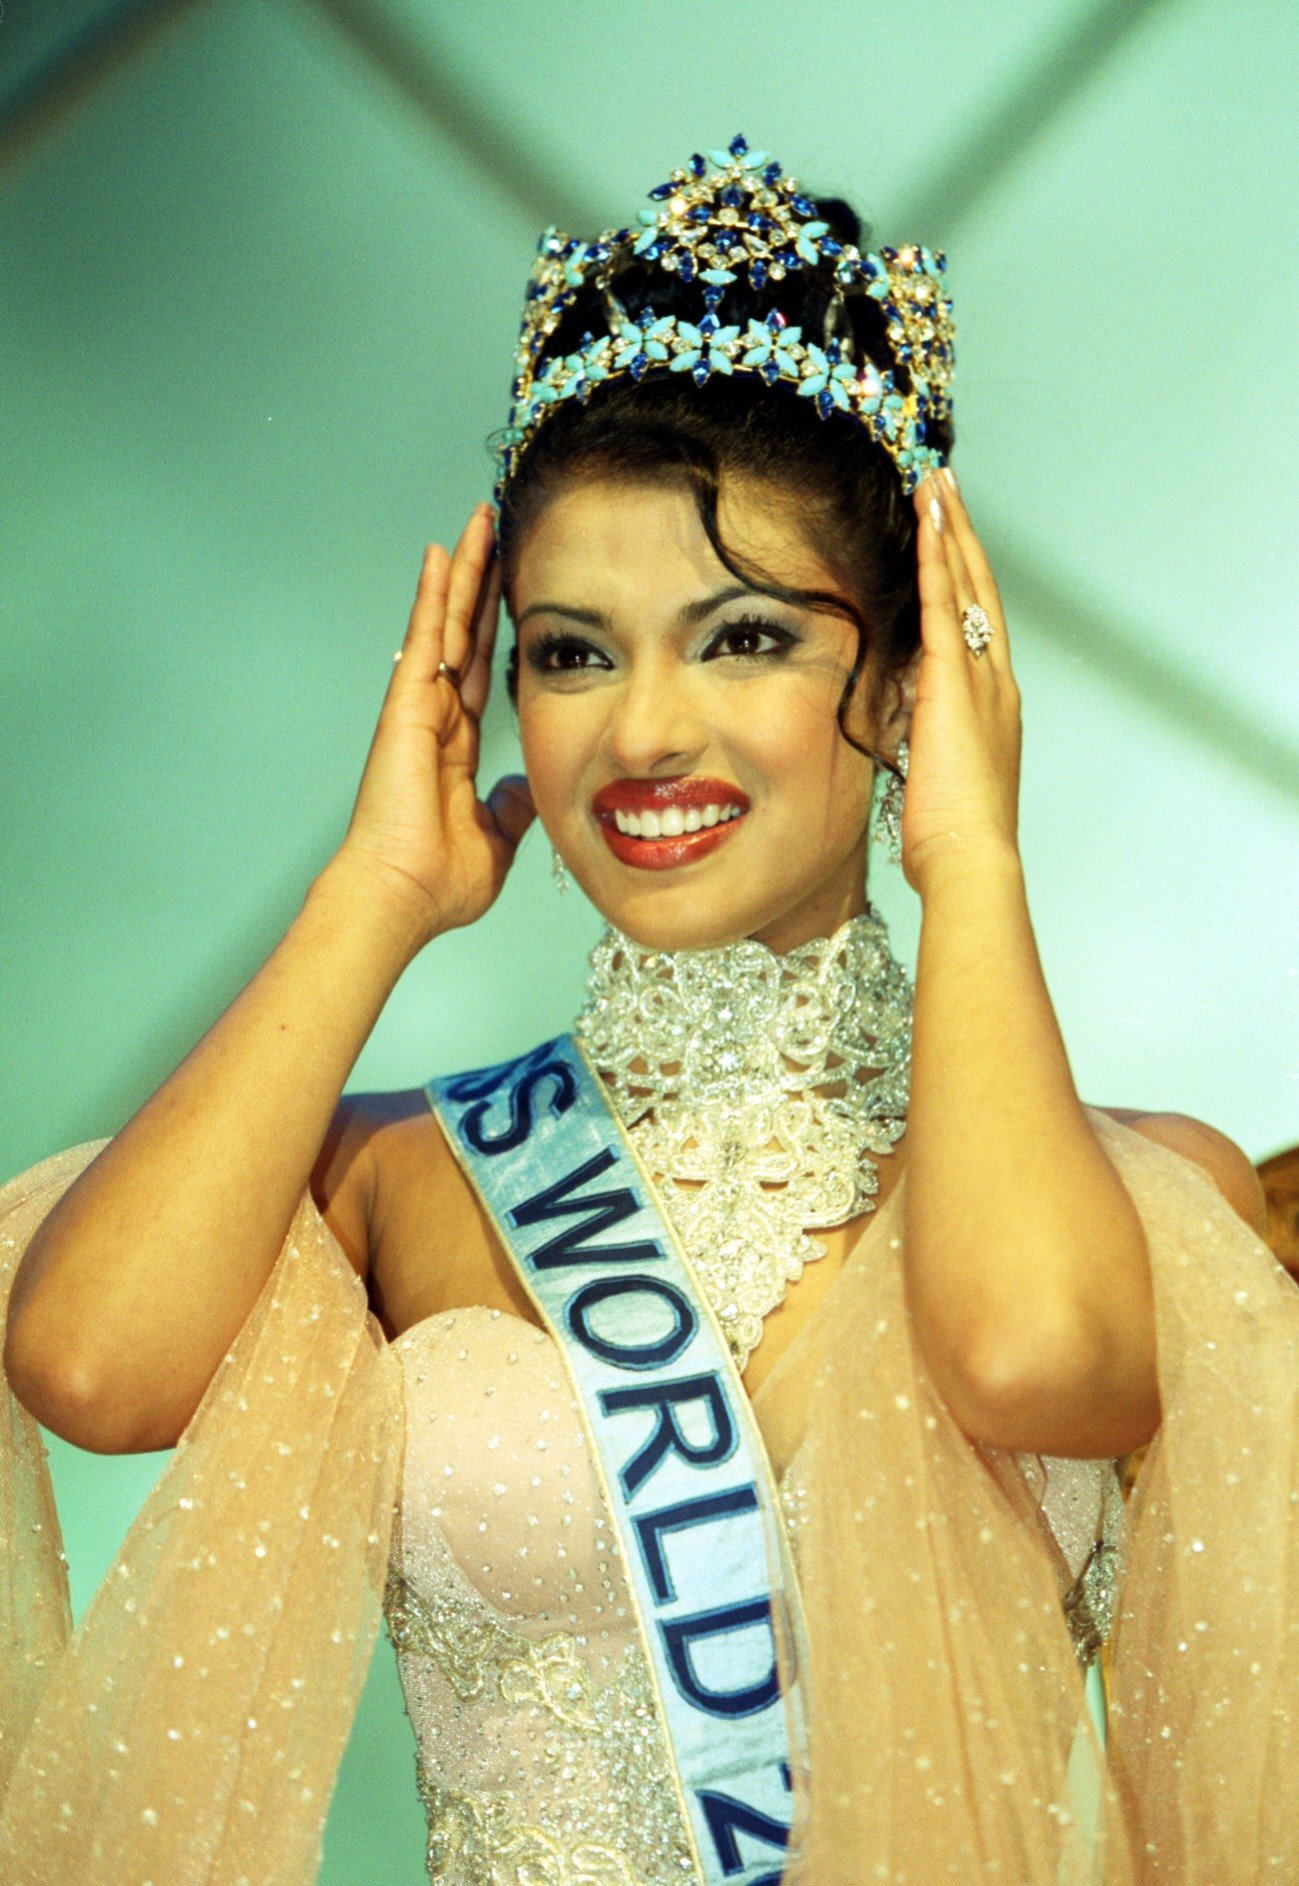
{"type": "Point", "coordinates": [673, 1435]}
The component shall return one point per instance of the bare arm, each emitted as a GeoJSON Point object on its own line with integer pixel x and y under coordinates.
{"type": "Point", "coordinates": [1027, 1257]}
{"type": "Point", "coordinates": [1028, 1274]}
{"type": "Point", "coordinates": [141, 1276]}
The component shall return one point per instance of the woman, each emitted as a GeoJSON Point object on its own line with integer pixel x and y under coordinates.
{"type": "Point", "coordinates": [700, 1563]}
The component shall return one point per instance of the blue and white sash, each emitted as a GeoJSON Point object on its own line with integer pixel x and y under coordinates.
{"type": "Point", "coordinates": [673, 1435]}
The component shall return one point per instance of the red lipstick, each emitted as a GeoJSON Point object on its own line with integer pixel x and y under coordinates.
{"type": "Point", "coordinates": [638, 796]}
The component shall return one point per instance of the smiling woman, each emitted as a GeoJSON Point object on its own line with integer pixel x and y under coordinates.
{"type": "Point", "coordinates": [727, 1399]}
{"type": "Point", "coordinates": [680, 696]}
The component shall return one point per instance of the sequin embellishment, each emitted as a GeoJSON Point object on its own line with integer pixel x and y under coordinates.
{"type": "Point", "coordinates": [754, 1088]}
{"type": "Point", "coordinates": [600, 1808]}
{"type": "Point", "coordinates": [469, 1648]}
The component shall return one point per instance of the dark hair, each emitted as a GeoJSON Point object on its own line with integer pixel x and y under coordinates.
{"type": "Point", "coordinates": [846, 489]}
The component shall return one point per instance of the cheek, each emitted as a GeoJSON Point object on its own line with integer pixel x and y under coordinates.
{"type": "Point", "coordinates": [814, 776]}
{"type": "Point", "coordinates": [791, 739]}
{"type": "Point", "coordinates": [553, 740]}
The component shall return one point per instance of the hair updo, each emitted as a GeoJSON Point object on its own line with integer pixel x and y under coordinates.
{"type": "Point", "coordinates": [845, 489]}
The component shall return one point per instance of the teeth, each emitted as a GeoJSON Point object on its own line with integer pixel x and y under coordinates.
{"type": "Point", "coordinates": [672, 822]}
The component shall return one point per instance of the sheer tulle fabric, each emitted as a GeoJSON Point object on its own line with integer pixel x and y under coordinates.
{"type": "Point", "coordinates": [192, 1728]}
{"type": "Point", "coordinates": [949, 1737]}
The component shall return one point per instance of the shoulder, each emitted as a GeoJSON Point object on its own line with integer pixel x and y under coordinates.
{"type": "Point", "coordinates": [1226, 1163]}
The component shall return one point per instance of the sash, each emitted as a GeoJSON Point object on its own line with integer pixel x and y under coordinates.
{"type": "Point", "coordinates": [673, 1435]}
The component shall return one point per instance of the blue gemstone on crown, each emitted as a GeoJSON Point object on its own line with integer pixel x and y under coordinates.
{"type": "Point", "coordinates": [690, 241]}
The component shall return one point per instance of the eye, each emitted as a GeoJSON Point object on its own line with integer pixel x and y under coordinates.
{"type": "Point", "coordinates": [555, 653]}
{"type": "Point", "coordinates": [741, 637]}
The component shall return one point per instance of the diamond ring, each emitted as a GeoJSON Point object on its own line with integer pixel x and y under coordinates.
{"type": "Point", "coordinates": [976, 628]}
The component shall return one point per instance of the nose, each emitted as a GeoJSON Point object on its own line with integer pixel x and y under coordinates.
{"type": "Point", "coordinates": [653, 724]}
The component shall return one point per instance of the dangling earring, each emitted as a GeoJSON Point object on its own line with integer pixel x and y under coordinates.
{"type": "Point", "coordinates": [887, 829]}
{"type": "Point", "coordinates": [557, 866]}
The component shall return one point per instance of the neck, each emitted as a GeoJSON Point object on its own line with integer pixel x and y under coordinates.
{"type": "Point", "coordinates": [821, 914]}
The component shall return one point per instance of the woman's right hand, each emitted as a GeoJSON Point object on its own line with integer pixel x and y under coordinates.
{"type": "Point", "coordinates": [418, 823]}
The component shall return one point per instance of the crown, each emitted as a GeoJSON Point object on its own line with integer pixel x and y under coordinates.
{"type": "Point", "coordinates": [739, 211]}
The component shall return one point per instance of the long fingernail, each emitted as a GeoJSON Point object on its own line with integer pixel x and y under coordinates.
{"type": "Point", "coordinates": [950, 476]}
{"type": "Point", "coordinates": [936, 512]}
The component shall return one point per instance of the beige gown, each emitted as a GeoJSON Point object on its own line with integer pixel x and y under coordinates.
{"type": "Point", "coordinates": [192, 1727]}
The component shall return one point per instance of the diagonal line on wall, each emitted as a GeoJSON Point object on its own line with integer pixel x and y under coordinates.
{"type": "Point", "coordinates": [543, 192]}
{"type": "Point", "coordinates": [976, 165]}
{"type": "Point", "coordinates": [85, 61]}
{"type": "Point", "coordinates": [1122, 654]}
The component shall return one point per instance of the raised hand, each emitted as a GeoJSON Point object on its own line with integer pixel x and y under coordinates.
{"type": "Point", "coordinates": [418, 822]}
{"type": "Point", "coordinates": [963, 743]}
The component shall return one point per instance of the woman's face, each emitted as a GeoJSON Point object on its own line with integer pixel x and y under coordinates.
{"type": "Point", "coordinates": [657, 694]}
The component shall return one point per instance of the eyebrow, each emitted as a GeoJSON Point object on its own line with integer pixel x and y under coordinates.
{"type": "Point", "coordinates": [687, 616]}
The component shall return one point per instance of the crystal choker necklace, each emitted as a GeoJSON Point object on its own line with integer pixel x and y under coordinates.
{"type": "Point", "coordinates": [754, 1088]}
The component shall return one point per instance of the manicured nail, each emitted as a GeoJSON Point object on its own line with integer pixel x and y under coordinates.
{"type": "Point", "coordinates": [950, 476]}
{"type": "Point", "coordinates": [936, 512]}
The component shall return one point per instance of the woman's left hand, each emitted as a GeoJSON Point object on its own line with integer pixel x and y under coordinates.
{"type": "Point", "coordinates": [961, 801]}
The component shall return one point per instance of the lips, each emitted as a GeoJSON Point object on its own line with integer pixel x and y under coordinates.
{"type": "Point", "coordinates": [628, 801]}
{"type": "Point", "coordinates": [652, 795]}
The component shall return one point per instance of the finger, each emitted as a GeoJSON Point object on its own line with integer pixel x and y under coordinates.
{"type": "Point", "coordinates": [478, 676]}
{"type": "Point", "coordinates": [421, 649]}
{"type": "Point", "coordinates": [940, 628]}
{"type": "Point", "coordinates": [962, 583]}
{"type": "Point", "coordinates": [468, 570]}
{"type": "Point", "coordinates": [986, 592]}
{"type": "Point", "coordinates": [509, 804]}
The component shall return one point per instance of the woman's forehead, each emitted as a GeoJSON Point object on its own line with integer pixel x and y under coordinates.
{"type": "Point", "coordinates": [617, 533]}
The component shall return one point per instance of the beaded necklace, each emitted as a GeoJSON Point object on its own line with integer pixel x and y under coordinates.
{"type": "Point", "coordinates": [755, 1087]}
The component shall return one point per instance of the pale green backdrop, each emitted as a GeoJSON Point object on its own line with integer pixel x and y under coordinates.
{"type": "Point", "coordinates": [262, 263]}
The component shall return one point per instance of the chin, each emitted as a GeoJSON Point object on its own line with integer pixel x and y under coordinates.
{"type": "Point", "coordinates": [680, 918]}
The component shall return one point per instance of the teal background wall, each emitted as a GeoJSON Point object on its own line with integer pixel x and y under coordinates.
{"type": "Point", "coordinates": [262, 263]}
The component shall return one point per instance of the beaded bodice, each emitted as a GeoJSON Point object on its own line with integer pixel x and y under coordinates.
{"type": "Point", "coordinates": [540, 1759]}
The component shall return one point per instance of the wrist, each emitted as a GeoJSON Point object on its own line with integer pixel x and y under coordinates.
{"type": "Point", "coordinates": [963, 862]}
{"type": "Point", "coordinates": [360, 890]}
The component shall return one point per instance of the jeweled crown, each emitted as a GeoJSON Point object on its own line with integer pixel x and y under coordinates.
{"type": "Point", "coordinates": [736, 211]}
